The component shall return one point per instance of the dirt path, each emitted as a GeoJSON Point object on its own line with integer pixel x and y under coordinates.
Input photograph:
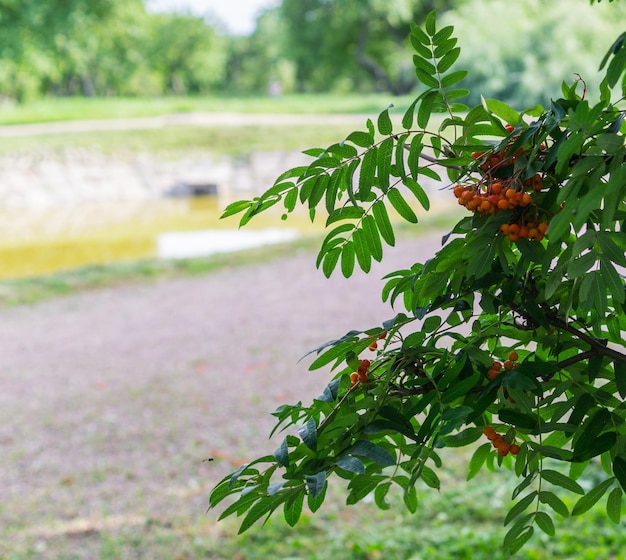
{"type": "Point", "coordinates": [110, 400]}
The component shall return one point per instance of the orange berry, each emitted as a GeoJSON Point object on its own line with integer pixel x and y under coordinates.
{"type": "Point", "coordinates": [523, 232]}
{"type": "Point", "coordinates": [382, 335]}
{"type": "Point", "coordinates": [485, 206]}
{"type": "Point", "coordinates": [496, 365]}
{"type": "Point", "coordinates": [494, 199]}
{"type": "Point", "coordinates": [503, 451]}
{"type": "Point", "coordinates": [503, 204]}
{"type": "Point", "coordinates": [509, 127]}
{"type": "Point", "coordinates": [373, 346]}
{"type": "Point", "coordinates": [542, 227]}
{"type": "Point", "coordinates": [508, 365]}
{"type": "Point", "coordinates": [488, 430]}
{"type": "Point", "coordinates": [492, 374]}
{"type": "Point", "coordinates": [354, 378]}
{"type": "Point", "coordinates": [514, 449]}
{"type": "Point", "coordinates": [513, 356]}
{"type": "Point", "coordinates": [526, 199]}
{"type": "Point", "coordinates": [513, 236]}
{"type": "Point", "coordinates": [477, 155]}
{"type": "Point", "coordinates": [533, 233]}
{"type": "Point", "coordinates": [496, 188]}
{"type": "Point", "coordinates": [514, 229]}
{"type": "Point", "coordinates": [458, 190]}
{"type": "Point", "coordinates": [467, 195]}
{"type": "Point", "coordinates": [510, 193]}
{"type": "Point", "coordinates": [363, 377]}
{"type": "Point", "coordinates": [505, 228]}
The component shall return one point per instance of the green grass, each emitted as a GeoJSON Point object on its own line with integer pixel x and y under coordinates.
{"type": "Point", "coordinates": [176, 141]}
{"type": "Point", "coordinates": [464, 521]}
{"type": "Point", "coordinates": [79, 108]}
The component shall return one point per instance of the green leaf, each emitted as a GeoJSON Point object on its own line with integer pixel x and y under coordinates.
{"type": "Point", "coordinates": [347, 259]}
{"type": "Point", "coordinates": [614, 505]}
{"type": "Point", "coordinates": [502, 110]}
{"type": "Point", "coordinates": [425, 109]}
{"type": "Point", "coordinates": [373, 452]}
{"type": "Point", "coordinates": [431, 23]}
{"type": "Point", "coordinates": [401, 206]}
{"type": "Point", "coordinates": [372, 237]}
{"type": "Point", "coordinates": [363, 256]}
{"type": "Point", "coordinates": [384, 122]}
{"type": "Point", "coordinates": [554, 502]}
{"type": "Point", "coordinates": [521, 540]}
{"type": "Point", "coordinates": [418, 191]}
{"type": "Point", "coordinates": [592, 497]}
{"type": "Point", "coordinates": [430, 478]}
{"type": "Point", "coordinates": [379, 212]}
{"type": "Point", "coordinates": [265, 505]}
{"type": "Point", "coordinates": [620, 377]}
{"type": "Point", "coordinates": [351, 464]}
{"type": "Point", "coordinates": [308, 433]}
{"type": "Point", "coordinates": [518, 419]}
{"type": "Point", "coordinates": [453, 78]}
{"type": "Point", "coordinates": [590, 443]}
{"type": "Point", "coordinates": [235, 208]}
{"type": "Point", "coordinates": [293, 509]}
{"type": "Point", "coordinates": [331, 258]}
{"type": "Point", "coordinates": [545, 523]}
{"type": "Point", "coordinates": [367, 174]}
{"type": "Point", "coordinates": [407, 119]}
{"type": "Point", "coordinates": [520, 507]}
{"type": "Point", "coordinates": [448, 60]}
{"type": "Point", "coordinates": [316, 485]}
{"type": "Point", "coordinates": [282, 454]}
{"type": "Point", "coordinates": [619, 470]}
{"type": "Point", "coordinates": [380, 494]}
{"type": "Point", "coordinates": [410, 499]}
{"type": "Point", "coordinates": [478, 459]}
{"type": "Point", "coordinates": [559, 479]}
{"type": "Point", "coordinates": [383, 162]}
{"type": "Point", "coordinates": [361, 139]}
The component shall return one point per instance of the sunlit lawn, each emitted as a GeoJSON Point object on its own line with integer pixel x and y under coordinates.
{"type": "Point", "coordinates": [75, 108]}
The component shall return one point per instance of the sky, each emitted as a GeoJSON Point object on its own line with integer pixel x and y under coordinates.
{"type": "Point", "coordinates": [238, 15]}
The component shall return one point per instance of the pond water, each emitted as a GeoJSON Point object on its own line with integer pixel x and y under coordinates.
{"type": "Point", "coordinates": [40, 241]}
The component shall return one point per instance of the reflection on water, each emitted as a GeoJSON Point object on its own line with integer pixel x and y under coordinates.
{"type": "Point", "coordinates": [34, 242]}
{"type": "Point", "coordinates": [189, 244]}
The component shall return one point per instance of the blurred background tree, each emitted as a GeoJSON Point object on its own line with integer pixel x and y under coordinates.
{"type": "Point", "coordinates": [120, 48]}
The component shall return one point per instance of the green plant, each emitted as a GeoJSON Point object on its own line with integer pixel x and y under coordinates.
{"type": "Point", "coordinates": [533, 284]}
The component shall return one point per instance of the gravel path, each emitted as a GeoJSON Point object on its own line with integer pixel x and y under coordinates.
{"type": "Point", "coordinates": [111, 399]}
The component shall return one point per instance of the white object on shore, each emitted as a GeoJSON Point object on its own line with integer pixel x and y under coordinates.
{"type": "Point", "coordinates": [189, 244]}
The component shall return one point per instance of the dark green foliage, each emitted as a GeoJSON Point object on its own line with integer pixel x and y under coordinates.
{"type": "Point", "coordinates": [548, 310]}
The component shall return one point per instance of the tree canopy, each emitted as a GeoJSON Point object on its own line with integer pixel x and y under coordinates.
{"type": "Point", "coordinates": [117, 47]}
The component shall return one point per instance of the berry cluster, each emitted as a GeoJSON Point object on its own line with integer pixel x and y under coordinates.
{"type": "Point", "coordinates": [500, 442]}
{"type": "Point", "coordinates": [491, 193]}
{"type": "Point", "coordinates": [507, 365]}
{"type": "Point", "coordinates": [360, 375]}
{"type": "Point", "coordinates": [488, 197]}
{"type": "Point", "coordinates": [527, 230]}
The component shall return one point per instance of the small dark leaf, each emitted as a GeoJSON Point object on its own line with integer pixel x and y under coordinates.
{"type": "Point", "coordinates": [316, 484]}
{"type": "Point", "coordinates": [351, 464]}
{"type": "Point", "coordinates": [373, 452]}
{"type": "Point", "coordinates": [619, 470]}
{"type": "Point", "coordinates": [308, 433]}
